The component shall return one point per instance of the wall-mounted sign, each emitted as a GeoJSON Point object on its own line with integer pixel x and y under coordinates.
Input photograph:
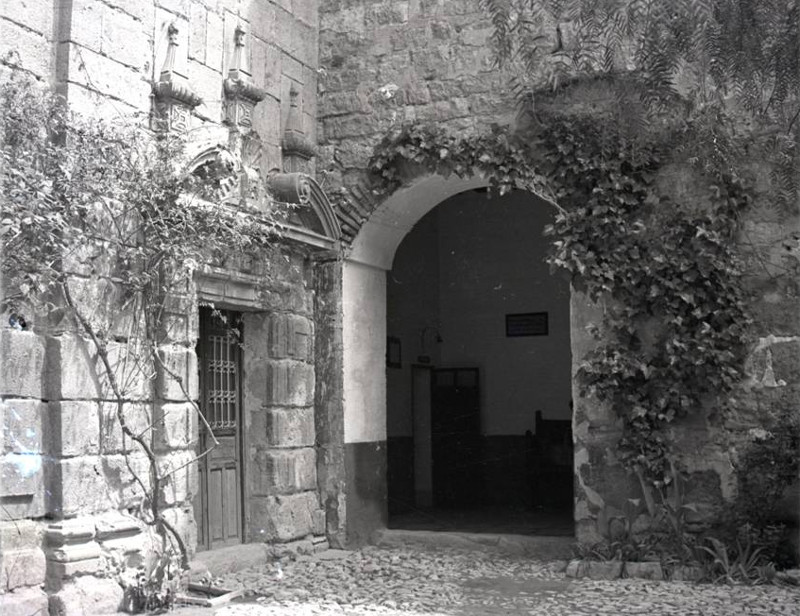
{"type": "Point", "coordinates": [526, 324]}
{"type": "Point", "coordinates": [393, 352]}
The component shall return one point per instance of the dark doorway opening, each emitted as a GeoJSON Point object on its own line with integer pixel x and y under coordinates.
{"type": "Point", "coordinates": [478, 415]}
{"type": "Point", "coordinates": [218, 507]}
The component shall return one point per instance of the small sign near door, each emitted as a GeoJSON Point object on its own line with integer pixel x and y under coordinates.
{"type": "Point", "coordinates": [526, 324]}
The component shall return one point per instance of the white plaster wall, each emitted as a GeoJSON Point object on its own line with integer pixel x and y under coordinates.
{"type": "Point", "coordinates": [377, 241]}
{"type": "Point", "coordinates": [492, 263]}
{"type": "Point", "coordinates": [364, 352]}
{"type": "Point", "coordinates": [412, 306]}
{"type": "Point", "coordinates": [489, 256]}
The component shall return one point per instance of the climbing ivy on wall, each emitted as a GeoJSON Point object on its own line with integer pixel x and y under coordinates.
{"type": "Point", "coordinates": [675, 326]}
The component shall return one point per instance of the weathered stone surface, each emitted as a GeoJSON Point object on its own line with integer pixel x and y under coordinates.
{"type": "Point", "coordinates": [181, 477]}
{"type": "Point", "coordinates": [23, 475]}
{"type": "Point", "coordinates": [182, 520]}
{"type": "Point", "coordinates": [31, 14]}
{"type": "Point", "coordinates": [285, 471]}
{"type": "Point", "coordinates": [283, 518]}
{"type": "Point", "coordinates": [89, 484]}
{"type": "Point", "coordinates": [179, 375]}
{"type": "Point", "coordinates": [20, 568]}
{"type": "Point", "coordinates": [24, 602]}
{"type": "Point", "coordinates": [75, 427]}
{"type": "Point", "coordinates": [290, 427]}
{"type": "Point", "coordinates": [107, 76]}
{"type": "Point", "coordinates": [176, 425]}
{"type": "Point", "coordinates": [328, 412]}
{"type": "Point", "coordinates": [610, 570]}
{"type": "Point", "coordinates": [25, 48]}
{"type": "Point", "coordinates": [645, 570]}
{"type": "Point", "coordinates": [22, 354]}
{"type": "Point", "coordinates": [76, 372]}
{"type": "Point", "coordinates": [290, 336]}
{"type": "Point", "coordinates": [137, 416]}
{"type": "Point", "coordinates": [114, 524]}
{"type": "Point", "coordinates": [290, 383]}
{"type": "Point", "coordinates": [87, 595]}
{"type": "Point", "coordinates": [79, 486]}
{"type": "Point", "coordinates": [22, 423]}
{"type": "Point", "coordinates": [119, 26]}
{"type": "Point", "coordinates": [576, 569]}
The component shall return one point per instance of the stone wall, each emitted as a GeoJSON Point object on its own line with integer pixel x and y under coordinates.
{"type": "Point", "coordinates": [104, 55]}
{"type": "Point", "coordinates": [427, 60]}
{"type": "Point", "coordinates": [69, 499]}
{"type": "Point", "coordinates": [385, 62]}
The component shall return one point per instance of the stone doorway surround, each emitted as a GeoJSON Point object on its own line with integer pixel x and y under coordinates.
{"type": "Point", "coordinates": [364, 343]}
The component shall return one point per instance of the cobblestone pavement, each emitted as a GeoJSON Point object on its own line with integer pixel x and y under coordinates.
{"type": "Point", "coordinates": [413, 582]}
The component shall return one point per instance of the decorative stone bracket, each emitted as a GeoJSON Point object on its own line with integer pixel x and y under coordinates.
{"type": "Point", "coordinates": [174, 100]}
{"type": "Point", "coordinates": [317, 215]}
{"type": "Point", "coordinates": [297, 148]}
{"type": "Point", "coordinates": [241, 95]}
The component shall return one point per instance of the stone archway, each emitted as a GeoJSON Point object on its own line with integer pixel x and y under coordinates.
{"type": "Point", "coordinates": [364, 343]}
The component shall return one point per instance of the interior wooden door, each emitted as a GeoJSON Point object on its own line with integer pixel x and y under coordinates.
{"type": "Point", "coordinates": [219, 510]}
{"type": "Point", "coordinates": [455, 436]}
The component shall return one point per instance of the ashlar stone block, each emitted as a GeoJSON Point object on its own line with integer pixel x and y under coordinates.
{"type": "Point", "coordinates": [24, 602]}
{"type": "Point", "coordinates": [22, 355]}
{"type": "Point", "coordinates": [22, 474]}
{"type": "Point", "coordinates": [182, 520]}
{"type": "Point", "coordinates": [290, 336]}
{"type": "Point", "coordinates": [22, 425]}
{"type": "Point", "coordinates": [19, 568]}
{"type": "Point", "coordinates": [179, 375]}
{"type": "Point", "coordinates": [138, 417]}
{"type": "Point", "coordinates": [290, 427]}
{"type": "Point", "coordinates": [75, 427]}
{"type": "Point", "coordinates": [290, 383]}
{"type": "Point", "coordinates": [176, 425]}
{"type": "Point", "coordinates": [285, 471]}
{"type": "Point", "coordinates": [180, 478]}
{"type": "Point", "coordinates": [108, 77]}
{"type": "Point", "coordinates": [284, 518]}
{"type": "Point", "coordinates": [36, 15]}
{"type": "Point", "coordinates": [87, 595]}
{"type": "Point", "coordinates": [124, 39]}
{"type": "Point", "coordinates": [26, 47]}
{"type": "Point", "coordinates": [76, 372]}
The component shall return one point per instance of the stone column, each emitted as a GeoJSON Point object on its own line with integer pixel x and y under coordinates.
{"type": "Point", "coordinates": [328, 409]}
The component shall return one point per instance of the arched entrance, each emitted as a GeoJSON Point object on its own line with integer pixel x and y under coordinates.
{"type": "Point", "coordinates": [505, 409]}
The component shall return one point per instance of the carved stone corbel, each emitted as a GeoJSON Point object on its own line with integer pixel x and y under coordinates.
{"type": "Point", "coordinates": [297, 148]}
{"type": "Point", "coordinates": [241, 94]}
{"type": "Point", "coordinates": [173, 98]}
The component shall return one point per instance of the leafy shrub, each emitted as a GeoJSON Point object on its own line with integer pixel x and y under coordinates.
{"type": "Point", "coordinates": [767, 468]}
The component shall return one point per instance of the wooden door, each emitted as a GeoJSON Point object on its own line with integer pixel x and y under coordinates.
{"type": "Point", "coordinates": [219, 510]}
{"type": "Point", "coordinates": [455, 435]}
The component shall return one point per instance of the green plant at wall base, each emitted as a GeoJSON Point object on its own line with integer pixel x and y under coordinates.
{"type": "Point", "coordinates": [767, 467]}
{"type": "Point", "coordinates": [675, 326]}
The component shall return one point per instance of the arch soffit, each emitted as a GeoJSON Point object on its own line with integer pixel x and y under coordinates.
{"type": "Point", "coordinates": [379, 237]}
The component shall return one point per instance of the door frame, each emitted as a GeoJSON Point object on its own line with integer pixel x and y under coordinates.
{"type": "Point", "coordinates": [202, 433]}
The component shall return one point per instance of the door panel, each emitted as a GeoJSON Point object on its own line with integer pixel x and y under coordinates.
{"type": "Point", "coordinates": [219, 360]}
{"type": "Point", "coordinates": [455, 435]}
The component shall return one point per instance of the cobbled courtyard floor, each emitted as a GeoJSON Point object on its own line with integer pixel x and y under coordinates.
{"type": "Point", "coordinates": [447, 581]}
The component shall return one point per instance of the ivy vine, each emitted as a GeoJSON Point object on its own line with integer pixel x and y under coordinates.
{"type": "Point", "coordinates": [675, 328]}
